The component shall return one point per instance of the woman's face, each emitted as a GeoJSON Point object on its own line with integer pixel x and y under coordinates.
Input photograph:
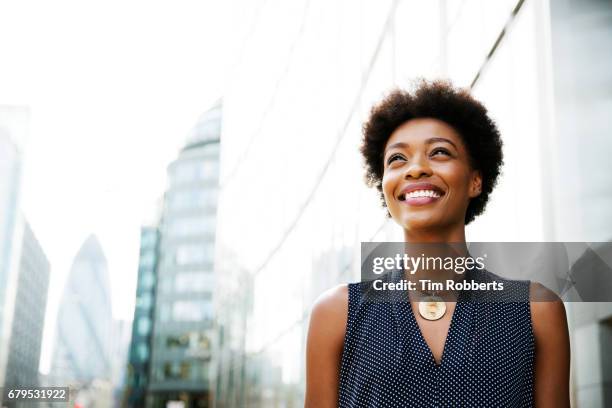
{"type": "Point", "coordinates": [427, 179]}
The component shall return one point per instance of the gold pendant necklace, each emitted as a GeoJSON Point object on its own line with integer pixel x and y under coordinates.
{"type": "Point", "coordinates": [432, 307]}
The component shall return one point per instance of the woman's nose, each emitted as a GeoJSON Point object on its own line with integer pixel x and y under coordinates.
{"type": "Point", "coordinates": [418, 167]}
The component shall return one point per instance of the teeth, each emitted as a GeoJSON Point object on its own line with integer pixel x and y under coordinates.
{"type": "Point", "coordinates": [423, 193]}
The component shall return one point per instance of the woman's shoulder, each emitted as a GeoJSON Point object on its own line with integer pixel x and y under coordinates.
{"type": "Point", "coordinates": [332, 299]}
{"type": "Point", "coordinates": [538, 293]}
{"type": "Point", "coordinates": [331, 307]}
{"type": "Point", "coordinates": [335, 302]}
{"type": "Point", "coordinates": [328, 319]}
{"type": "Point", "coordinates": [547, 310]}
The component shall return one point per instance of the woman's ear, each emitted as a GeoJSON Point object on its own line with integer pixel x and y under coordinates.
{"type": "Point", "coordinates": [475, 184]}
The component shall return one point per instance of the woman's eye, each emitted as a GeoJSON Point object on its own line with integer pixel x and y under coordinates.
{"type": "Point", "coordinates": [440, 150]}
{"type": "Point", "coordinates": [392, 158]}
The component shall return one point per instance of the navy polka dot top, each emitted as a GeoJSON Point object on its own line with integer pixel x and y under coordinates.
{"type": "Point", "coordinates": [488, 358]}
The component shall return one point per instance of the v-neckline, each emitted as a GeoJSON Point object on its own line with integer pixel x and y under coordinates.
{"type": "Point", "coordinates": [458, 308]}
{"type": "Point", "coordinates": [408, 324]}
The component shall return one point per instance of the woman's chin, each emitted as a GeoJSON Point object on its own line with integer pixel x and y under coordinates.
{"type": "Point", "coordinates": [422, 222]}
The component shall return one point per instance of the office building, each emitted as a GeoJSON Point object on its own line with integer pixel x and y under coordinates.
{"type": "Point", "coordinates": [142, 326]}
{"type": "Point", "coordinates": [181, 365]}
{"type": "Point", "coordinates": [14, 127]}
{"type": "Point", "coordinates": [29, 314]}
{"type": "Point", "coordinates": [582, 74]}
{"type": "Point", "coordinates": [82, 353]}
{"type": "Point", "coordinates": [120, 349]}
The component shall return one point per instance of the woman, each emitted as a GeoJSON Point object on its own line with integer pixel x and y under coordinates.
{"type": "Point", "coordinates": [435, 156]}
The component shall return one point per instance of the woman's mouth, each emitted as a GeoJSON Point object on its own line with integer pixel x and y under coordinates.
{"type": "Point", "coordinates": [420, 197]}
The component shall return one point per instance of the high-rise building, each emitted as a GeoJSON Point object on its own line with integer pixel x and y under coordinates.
{"type": "Point", "coordinates": [120, 348]}
{"type": "Point", "coordinates": [291, 189]}
{"type": "Point", "coordinates": [14, 125]}
{"type": "Point", "coordinates": [142, 326]}
{"type": "Point", "coordinates": [183, 329]}
{"type": "Point", "coordinates": [582, 72]}
{"type": "Point", "coordinates": [29, 314]}
{"type": "Point", "coordinates": [84, 324]}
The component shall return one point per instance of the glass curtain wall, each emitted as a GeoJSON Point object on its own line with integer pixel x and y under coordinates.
{"type": "Point", "coordinates": [293, 207]}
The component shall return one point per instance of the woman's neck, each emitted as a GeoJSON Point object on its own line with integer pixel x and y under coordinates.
{"type": "Point", "coordinates": [455, 234]}
{"type": "Point", "coordinates": [439, 243]}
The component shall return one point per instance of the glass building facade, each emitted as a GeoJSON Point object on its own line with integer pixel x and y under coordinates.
{"type": "Point", "coordinates": [293, 207]}
{"type": "Point", "coordinates": [82, 352]}
{"type": "Point", "coordinates": [182, 367]}
{"type": "Point", "coordinates": [142, 325]}
{"type": "Point", "coordinates": [582, 73]}
{"type": "Point", "coordinates": [14, 128]}
{"type": "Point", "coordinates": [29, 314]}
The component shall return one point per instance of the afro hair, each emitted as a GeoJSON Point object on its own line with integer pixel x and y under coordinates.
{"type": "Point", "coordinates": [438, 100]}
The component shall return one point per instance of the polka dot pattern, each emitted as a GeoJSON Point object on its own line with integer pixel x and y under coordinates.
{"type": "Point", "coordinates": [488, 358]}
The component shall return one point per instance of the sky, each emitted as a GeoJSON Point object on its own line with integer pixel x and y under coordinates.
{"type": "Point", "coordinates": [113, 88]}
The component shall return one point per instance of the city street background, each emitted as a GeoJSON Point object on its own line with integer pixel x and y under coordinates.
{"type": "Point", "coordinates": [179, 181]}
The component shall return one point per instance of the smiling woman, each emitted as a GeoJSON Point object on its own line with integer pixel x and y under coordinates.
{"type": "Point", "coordinates": [443, 163]}
{"type": "Point", "coordinates": [435, 156]}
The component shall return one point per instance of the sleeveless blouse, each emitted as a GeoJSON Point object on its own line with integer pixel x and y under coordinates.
{"type": "Point", "coordinates": [488, 358]}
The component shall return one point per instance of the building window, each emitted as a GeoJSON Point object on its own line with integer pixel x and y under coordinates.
{"type": "Point", "coordinates": [192, 226]}
{"type": "Point", "coordinates": [194, 171]}
{"type": "Point", "coordinates": [192, 199]}
{"type": "Point", "coordinates": [208, 129]}
{"type": "Point", "coordinates": [148, 240]}
{"type": "Point", "coordinates": [146, 280]}
{"type": "Point", "coordinates": [193, 340]}
{"type": "Point", "coordinates": [193, 281]}
{"type": "Point", "coordinates": [191, 310]}
{"type": "Point", "coordinates": [144, 326]}
{"type": "Point", "coordinates": [194, 254]}
{"type": "Point", "coordinates": [142, 352]}
{"type": "Point", "coordinates": [147, 259]}
{"type": "Point", "coordinates": [177, 371]}
{"type": "Point", "coordinates": [181, 341]}
{"type": "Point", "coordinates": [164, 313]}
{"type": "Point", "coordinates": [210, 170]}
{"type": "Point", "coordinates": [144, 301]}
